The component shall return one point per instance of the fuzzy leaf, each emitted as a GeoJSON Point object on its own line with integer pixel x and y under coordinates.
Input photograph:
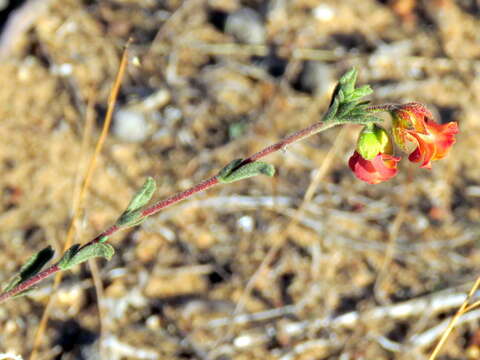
{"type": "Point", "coordinates": [231, 173]}
{"type": "Point", "coordinates": [133, 214]}
{"type": "Point", "coordinates": [130, 218]}
{"type": "Point", "coordinates": [77, 255]}
{"type": "Point", "coordinates": [143, 196]}
{"type": "Point", "coordinates": [31, 268]}
{"type": "Point", "coordinates": [347, 104]}
{"type": "Point", "coordinates": [361, 92]}
{"type": "Point", "coordinates": [227, 170]}
{"type": "Point", "coordinates": [67, 256]}
{"type": "Point", "coordinates": [348, 80]}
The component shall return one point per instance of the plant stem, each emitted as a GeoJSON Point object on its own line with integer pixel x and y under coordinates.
{"type": "Point", "coordinates": [29, 283]}
{"type": "Point", "coordinates": [381, 108]}
{"type": "Point", "coordinates": [204, 185]}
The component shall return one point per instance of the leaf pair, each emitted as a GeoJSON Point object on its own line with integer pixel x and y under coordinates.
{"type": "Point", "coordinates": [347, 104]}
{"type": "Point", "coordinates": [73, 256]}
{"type": "Point", "coordinates": [31, 268]}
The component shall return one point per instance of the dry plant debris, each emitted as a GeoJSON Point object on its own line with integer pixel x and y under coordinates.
{"type": "Point", "coordinates": [206, 95]}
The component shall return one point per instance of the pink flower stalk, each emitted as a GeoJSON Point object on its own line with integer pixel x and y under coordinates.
{"type": "Point", "coordinates": [413, 123]}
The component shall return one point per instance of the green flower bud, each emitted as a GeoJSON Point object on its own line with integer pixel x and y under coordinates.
{"type": "Point", "coordinates": [373, 140]}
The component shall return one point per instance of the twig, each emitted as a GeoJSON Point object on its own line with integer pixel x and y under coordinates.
{"type": "Point", "coordinates": [454, 320]}
{"type": "Point", "coordinates": [427, 338]}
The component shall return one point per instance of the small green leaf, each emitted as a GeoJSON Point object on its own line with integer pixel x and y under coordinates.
{"type": "Point", "coordinates": [345, 109]}
{"type": "Point", "coordinates": [130, 218]}
{"type": "Point", "coordinates": [348, 81]}
{"type": "Point", "coordinates": [231, 174]}
{"type": "Point", "coordinates": [133, 214]}
{"type": "Point", "coordinates": [77, 255]}
{"type": "Point", "coordinates": [67, 256]}
{"type": "Point", "coordinates": [103, 239]}
{"type": "Point", "coordinates": [143, 196]}
{"type": "Point", "coordinates": [347, 104]}
{"type": "Point", "coordinates": [227, 170]}
{"type": "Point", "coordinates": [332, 110]}
{"type": "Point", "coordinates": [31, 268]}
{"type": "Point", "coordinates": [361, 92]}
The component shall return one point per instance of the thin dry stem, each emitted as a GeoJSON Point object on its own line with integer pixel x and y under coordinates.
{"type": "Point", "coordinates": [462, 310]}
{"type": "Point", "coordinates": [81, 196]}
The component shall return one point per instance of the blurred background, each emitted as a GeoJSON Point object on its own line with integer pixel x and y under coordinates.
{"type": "Point", "coordinates": [313, 264]}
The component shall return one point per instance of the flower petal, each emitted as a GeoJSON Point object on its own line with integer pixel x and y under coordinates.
{"type": "Point", "coordinates": [382, 168]}
{"type": "Point", "coordinates": [435, 144]}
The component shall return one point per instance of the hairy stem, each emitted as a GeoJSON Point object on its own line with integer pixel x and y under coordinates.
{"type": "Point", "coordinates": [204, 185]}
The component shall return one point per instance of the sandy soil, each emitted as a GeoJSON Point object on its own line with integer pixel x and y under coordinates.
{"type": "Point", "coordinates": [356, 272]}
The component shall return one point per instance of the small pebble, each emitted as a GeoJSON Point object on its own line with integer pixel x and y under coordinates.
{"type": "Point", "coordinates": [130, 125]}
{"type": "Point", "coordinates": [246, 223]}
{"type": "Point", "coordinates": [247, 26]}
{"type": "Point", "coordinates": [154, 322]}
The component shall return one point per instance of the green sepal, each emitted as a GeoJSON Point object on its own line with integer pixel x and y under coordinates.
{"type": "Point", "coordinates": [77, 255]}
{"type": "Point", "coordinates": [31, 268]}
{"type": "Point", "coordinates": [372, 140]}
{"type": "Point", "coordinates": [232, 172]}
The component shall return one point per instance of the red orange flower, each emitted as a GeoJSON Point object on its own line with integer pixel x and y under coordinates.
{"type": "Point", "coordinates": [413, 123]}
{"type": "Point", "coordinates": [434, 144]}
{"type": "Point", "coordinates": [382, 168]}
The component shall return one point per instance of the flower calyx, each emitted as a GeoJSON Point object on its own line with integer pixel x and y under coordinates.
{"type": "Point", "coordinates": [373, 139]}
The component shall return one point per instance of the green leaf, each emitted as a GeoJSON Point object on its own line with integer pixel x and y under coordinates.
{"type": "Point", "coordinates": [130, 218]}
{"type": "Point", "coordinates": [133, 214]}
{"type": "Point", "coordinates": [348, 81]}
{"type": "Point", "coordinates": [31, 268]}
{"type": "Point", "coordinates": [227, 170]}
{"type": "Point", "coordinates": [232, 172]}
{"type": "Point", "coordinates": [68, 255]}
{"type": "Point", "coordinates": [362, 92]}
{"type": "Point", "coordinates": [77, 255]}
{"type": "Point", "coordinates": [143, 196]}
{"type": "Point", "coordinates": [347, 104]}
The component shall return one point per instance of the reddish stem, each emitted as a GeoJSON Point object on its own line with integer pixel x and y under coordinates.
{"type": "Point", "coordinates": [29, 283]}
{"type": "Point", "coordinates": [180, 196]}
{"type": "Point", "coordinates": [204, 185]}
{"type": "Point", "coordinates": [383, 107]}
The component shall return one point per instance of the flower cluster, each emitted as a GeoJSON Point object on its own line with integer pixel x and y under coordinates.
{"type": "Point", "coordinates": [414, 131]}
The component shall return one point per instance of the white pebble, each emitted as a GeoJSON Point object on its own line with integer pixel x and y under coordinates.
{"type": "Point", "coordinates": [247, 26]}
{"type": "Point", "coordinates": [130, 125]}
{"type": "Point", "coordinates": [246, 223]}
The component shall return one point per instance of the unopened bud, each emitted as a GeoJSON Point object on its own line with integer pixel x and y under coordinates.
{"type": "Point", "coordinates": [373, 140]}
